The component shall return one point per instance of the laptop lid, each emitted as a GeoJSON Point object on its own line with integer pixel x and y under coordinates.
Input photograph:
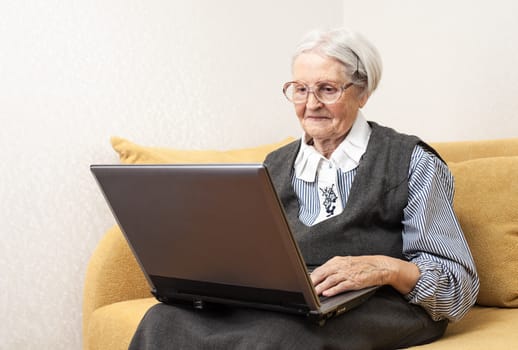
{"type": "Point", "coordinates": [213, 233]}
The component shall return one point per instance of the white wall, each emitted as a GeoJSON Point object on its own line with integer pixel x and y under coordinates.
{"type": "Point", "coordinates": [450, 67]}
{"type": "Point", "coordinates": [204, 74]}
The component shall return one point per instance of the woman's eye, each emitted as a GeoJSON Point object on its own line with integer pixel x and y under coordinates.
{"type": "Point", "coordinates": [328, 89]}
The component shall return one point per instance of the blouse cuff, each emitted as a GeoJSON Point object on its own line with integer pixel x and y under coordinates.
{"type": "Point", "coordinates": [426, 286]}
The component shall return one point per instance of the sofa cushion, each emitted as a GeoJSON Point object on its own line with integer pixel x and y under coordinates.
{"type": "Point", "coordinates": [459, 151]}
{"type": "Point", "coordinates": [486, 203]}
{"type": "Point", "coordinates": [132, 153]}
{"type": "Point", "coordinates": [481, 328]}
{"type": "Point", "coordinates": [112, 326]}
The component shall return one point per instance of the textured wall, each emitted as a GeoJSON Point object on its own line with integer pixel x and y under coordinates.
{"type": "Point", "coordinates": [204, 74]}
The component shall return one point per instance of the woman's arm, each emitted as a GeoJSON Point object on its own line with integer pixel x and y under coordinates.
{"type": "Point", "coordinates": [434, 241]}
{"type": "Point", "coordinates": [343, 273]}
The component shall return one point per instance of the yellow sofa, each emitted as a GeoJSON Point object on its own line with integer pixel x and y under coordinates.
{"type": "Point", "coordinates": [116, 294]}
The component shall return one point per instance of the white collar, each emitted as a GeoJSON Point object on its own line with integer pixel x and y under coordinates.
{"type": "Point", "coordinates": [346, 157]}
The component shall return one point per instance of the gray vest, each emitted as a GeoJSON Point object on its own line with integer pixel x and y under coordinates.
{"type": "Point", "coordinates": [371, 220]}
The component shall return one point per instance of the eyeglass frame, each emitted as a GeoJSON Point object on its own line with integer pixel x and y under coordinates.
{"type": "Point", "coordinates": [342, 88]}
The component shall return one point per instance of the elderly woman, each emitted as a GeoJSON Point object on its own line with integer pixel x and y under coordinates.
{"type": "Point", "coordinates": [368, 206]}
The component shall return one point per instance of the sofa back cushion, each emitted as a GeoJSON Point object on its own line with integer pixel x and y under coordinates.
{"type": "Point", "coordinates": [466, 150]}
{"type": "Point", "coordinates": [486, 199]}
{"type": "Point", "coordinates": [486, 203]}
{"type": "Point", "coordinates": [132, 153]}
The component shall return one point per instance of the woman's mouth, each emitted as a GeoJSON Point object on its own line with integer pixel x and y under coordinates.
{"type": "Point", "coordinates": [317, 117]}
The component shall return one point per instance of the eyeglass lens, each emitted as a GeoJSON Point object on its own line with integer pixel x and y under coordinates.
{"type": "Point", "coordinates": [324, 92]}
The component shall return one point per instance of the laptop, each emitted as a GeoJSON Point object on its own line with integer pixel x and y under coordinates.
{"type": "Point", "coordinates": [215, 234]}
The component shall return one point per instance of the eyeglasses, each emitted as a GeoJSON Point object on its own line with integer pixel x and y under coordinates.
{"type": "Point", "coordinates": [324, 91]}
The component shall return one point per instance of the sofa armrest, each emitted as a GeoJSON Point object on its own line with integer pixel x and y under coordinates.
{"type": "Point", "coordinates": [112, 275]}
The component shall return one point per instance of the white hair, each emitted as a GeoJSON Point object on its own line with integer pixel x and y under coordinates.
{"type": "Point", "coordinates": [361, 59]}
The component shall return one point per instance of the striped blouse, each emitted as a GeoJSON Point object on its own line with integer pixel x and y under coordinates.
{"type": "Point", "coordinates": [432, 237]}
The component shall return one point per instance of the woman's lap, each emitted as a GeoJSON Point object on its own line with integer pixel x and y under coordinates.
{"type": "Point", "coordinates": [381, 322]}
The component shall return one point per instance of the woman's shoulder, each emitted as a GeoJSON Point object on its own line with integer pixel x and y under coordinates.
{"type": "Point", "coordinates": [283, 152]}
{"type": "Point", "coordinates": [382, 131]}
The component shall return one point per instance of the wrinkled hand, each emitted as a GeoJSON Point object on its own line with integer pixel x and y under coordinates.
{"type": "Point", "coordinates": [343, 273]}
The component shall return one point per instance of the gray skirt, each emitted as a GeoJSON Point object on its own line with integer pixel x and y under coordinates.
{"type": "Point", "coordinates": [385, 321]}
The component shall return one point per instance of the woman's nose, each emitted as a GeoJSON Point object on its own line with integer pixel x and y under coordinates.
{"type": "Point", "coordinates": [313, 101]}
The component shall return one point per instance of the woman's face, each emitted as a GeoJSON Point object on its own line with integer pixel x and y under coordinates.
{"type": "Point", "coordinates": [319, 121]}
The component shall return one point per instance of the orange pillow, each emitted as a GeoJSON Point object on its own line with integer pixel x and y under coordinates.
{"type": "Point", "coordinates": [486, 203]}
{"type": "Point", "coordinates": [131, 153]}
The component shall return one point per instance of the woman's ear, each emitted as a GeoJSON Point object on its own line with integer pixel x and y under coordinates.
{"type": "Point", "coordinates": [364, 96]}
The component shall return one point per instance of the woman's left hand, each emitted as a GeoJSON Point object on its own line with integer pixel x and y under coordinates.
{"type": "Point", "coordinates": [343, 273]}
